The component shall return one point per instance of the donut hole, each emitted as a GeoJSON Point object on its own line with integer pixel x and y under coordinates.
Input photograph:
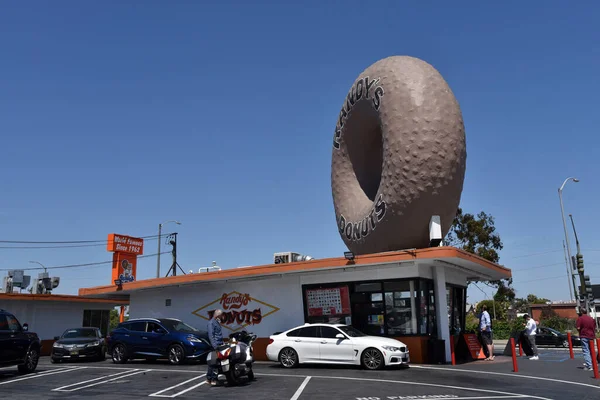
{"type": "Point", "coordinates": [364, 146]}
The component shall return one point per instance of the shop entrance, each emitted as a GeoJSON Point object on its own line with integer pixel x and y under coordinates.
{"type": "Point", "coordinates": [394, 308]}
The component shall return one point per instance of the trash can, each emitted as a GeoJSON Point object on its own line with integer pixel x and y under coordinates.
{"type": "Point", "coordinates": [437, 351]}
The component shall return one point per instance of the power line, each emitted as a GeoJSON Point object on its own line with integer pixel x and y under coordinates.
{"type": "Point", "coordinates": [541, 279]}
{"type": "Point", "coordinates": [79, 265]}
{"type": "Point", "coordinates": [534, 254]}
{"type": "Point", "coordinates": [69, 241]}
{"type": "Point", "coordinates": [105, 242]}
{"type": "Point", "coordinates": [539, 266]}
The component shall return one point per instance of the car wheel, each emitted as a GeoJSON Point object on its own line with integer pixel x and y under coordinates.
{"type": "Point", "coordinates": [54, 360]}
{"type": "Point", "coordinates": [372, 359]}
{"type": "Point", "coordinates": [176, 355]}
{"type": "Point", "coordinates": [31, 362]}
{"type": "Point", "coordinates": [565, 343]}
{"type": "Point", "coordinates": [288, 358]}
{"type": "Point", "coordinates": [119, 354]}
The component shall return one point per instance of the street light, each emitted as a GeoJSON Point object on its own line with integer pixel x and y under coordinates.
{"type": "Point", "coordinates": [158, 257]}
{"type": "Point", "coordinates": [37, 262]}
{"type": "Point", "coordinates": [562, 210]}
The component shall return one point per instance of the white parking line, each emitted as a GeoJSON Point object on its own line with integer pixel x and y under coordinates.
{"type": "Point", "coordinates": [438, 385]}
{"type": "Point", "coordinates": [186, 390]}
{"type": "Point", "coordinates": [41, 375]}
{"type": "Point", "coordinates": [513, 375]}
{"type": "Point", "coordinates": [121, 375]}
{"type": "Point", "coordinates": [301, 388]}
{"type": "Point", "coordinates": [159, 393]}
{"type": "Point", "coordinates": [95, 379]}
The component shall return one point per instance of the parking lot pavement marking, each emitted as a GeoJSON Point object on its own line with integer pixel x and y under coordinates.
{"type": "Point", "coordinates": [121, 375]}
{"type": "Point", "coordinates": [301, 388]}
{"type": "Point", "coordinates": [436, 385]}
{"type": "Point", "coordinates": [41, 375]}
{"type": "Point", "coordinates": [93, 380]}
{"type": "Point", "coordinates": [449, 369]}
{"type": "Point", "coordinates": [160, 392]}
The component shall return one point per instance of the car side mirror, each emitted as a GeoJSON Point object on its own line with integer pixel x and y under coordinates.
{"type": "Point", "coordinates": [25, 327]}
{"type": "Point", "coordinates": [340, 336]}
{"type": "Point", "coordinates": [56, 338]}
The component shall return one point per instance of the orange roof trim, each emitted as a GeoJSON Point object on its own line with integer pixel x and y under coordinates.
{"type": "Point", "coordinates": [60, 297]}
{"type": "Point", "coordinates": [379, 258]}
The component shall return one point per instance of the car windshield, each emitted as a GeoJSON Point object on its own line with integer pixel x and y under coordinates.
{"type": "Point", "coordinates": [77, 333]}
{"type": "Point", "coordinates": [350, 331]}
{"type": "Point", "coordinates": [552, 330]}
{"type": "Point", "coordinates": [178, 326]}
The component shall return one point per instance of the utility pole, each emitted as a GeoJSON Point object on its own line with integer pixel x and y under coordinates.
{"type": "Point", "coordinates": [568, 272]}
{"type": "Point", "coordinates": [172, 240]}
{"type": "Point", "coordinates": [583, 279]}
{"type": "Point", "coordinates": [562, 210]}
{"type": "Point", "coordinates": [158, 256]}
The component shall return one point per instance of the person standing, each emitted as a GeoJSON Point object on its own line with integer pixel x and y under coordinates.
{"type": "Point", "coordinates": [586, 326]}
{"type": "Point", "coordinates": [530, 331]}
{"type": "Point", "coordinates": [485, 329]}
{"type": "Point", "coordinates": [215, 335]}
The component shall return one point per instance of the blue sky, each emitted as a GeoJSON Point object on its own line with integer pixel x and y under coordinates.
{"type": "Point", "coordinates": [119, 115]}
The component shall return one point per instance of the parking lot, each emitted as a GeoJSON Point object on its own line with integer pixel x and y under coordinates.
{"type": "Point", "coordinates": [105, 380]}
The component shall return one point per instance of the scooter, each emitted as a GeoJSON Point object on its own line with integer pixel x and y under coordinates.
{"type": "Point", "coordinates": [233, 360]}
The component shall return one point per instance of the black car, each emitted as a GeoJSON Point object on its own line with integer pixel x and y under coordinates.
{"type": "Point", "coordinates": [551, 337]}
{"type": "Point", "coordinates": [18, 346]}
{"type": "Point", "coordinates": [79, 343]}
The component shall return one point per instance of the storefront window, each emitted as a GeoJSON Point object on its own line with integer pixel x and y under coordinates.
{"type": "Point", "coordinates": [427, 321]}
{"type": "Point", "coordinates": [389, 308]}
{"type": "Point", "coordinates": [97, 319]}
{"type": "Point", "coordinates": [400, 308]}
{"type": "Point", "coordinates": [328, 304]}
{"type": "Point", "coordinates": [456, 309]}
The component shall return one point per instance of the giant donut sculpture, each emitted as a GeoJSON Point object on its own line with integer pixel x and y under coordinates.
{"type": "Point", "coordinates": [399, 157]}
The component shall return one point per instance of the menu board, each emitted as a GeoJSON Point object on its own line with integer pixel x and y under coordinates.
{"type": "Point", "coordinates": [330, 301]}
{"type": "Point", "coordinates": [474, 346]}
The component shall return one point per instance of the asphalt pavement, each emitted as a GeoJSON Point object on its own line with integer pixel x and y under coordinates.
{"type": "Point", "coordinates": [138, 380]}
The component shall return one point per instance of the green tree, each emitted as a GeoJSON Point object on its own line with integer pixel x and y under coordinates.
{"type": "Point", "coordinates": [533, 299]}
{"type": "Point", "coordinates": [521, 305]}
{"type": "Point", "coordinates": [475, 234]}
{"type": "Point", "coordinates": [114, 319]}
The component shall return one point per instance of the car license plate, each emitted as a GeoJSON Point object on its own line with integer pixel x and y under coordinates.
{"type": "Point", "coordinates": [225, 362]}
{"type": "Point", "coordinates": [74, 352]}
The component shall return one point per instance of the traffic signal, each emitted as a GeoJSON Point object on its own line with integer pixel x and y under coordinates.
{"type": "Point", "coordinates": [588, 284]}
{"type": "Point", "coordinates": [579, 258]}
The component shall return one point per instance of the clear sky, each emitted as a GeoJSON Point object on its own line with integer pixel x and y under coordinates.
{"type": "Point", "coordinates": [116, 116]}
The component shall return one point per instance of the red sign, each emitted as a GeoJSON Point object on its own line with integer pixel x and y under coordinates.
{"type": "Point", "coordinates": [125, 244]}
{"type": "Point", "coordinates": [125, 250]}
{"type": "Point", "coordinates": [474, 346]}
{"type": "Point", "coordinates": [330, 301]}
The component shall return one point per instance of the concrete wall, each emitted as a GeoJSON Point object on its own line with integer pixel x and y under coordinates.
{"type": "Point", "coordinates": [50, 318]}
{"type": "Point", "coordinates": [278, 299]}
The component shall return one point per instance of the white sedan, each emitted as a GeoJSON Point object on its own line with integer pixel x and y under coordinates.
{"type": "Point", "coordinates": [335, 344]}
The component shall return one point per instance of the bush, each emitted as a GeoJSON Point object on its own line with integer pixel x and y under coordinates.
{"type": "Point", "coordinates": [501, 329]}
{"type": "Point", "coordinates": [560, 324]}
{"type": "Point", "coordinates": [471, 324]}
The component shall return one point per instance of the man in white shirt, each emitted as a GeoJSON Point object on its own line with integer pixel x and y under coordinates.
{"type": "Point", "coordinates": [530, 329]}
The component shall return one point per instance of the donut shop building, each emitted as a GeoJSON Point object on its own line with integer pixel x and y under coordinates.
{"type": "Point", "coordinates": [412, 295]}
